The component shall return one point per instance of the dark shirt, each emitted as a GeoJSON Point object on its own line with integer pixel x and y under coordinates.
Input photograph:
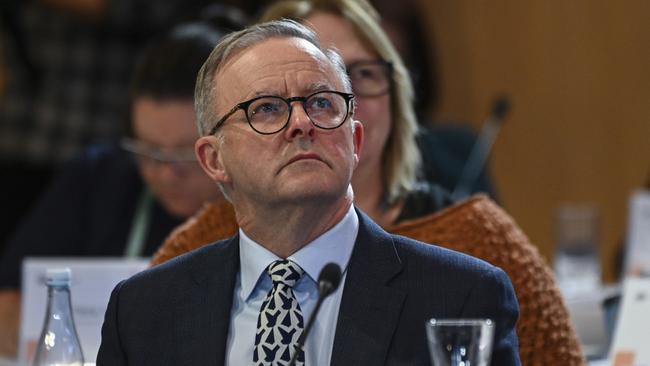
{"type": "Point", "coordinates": [425, 199]}
{"type": "Point", "coordinates": [88, 210]}
{"type": "Point", "coordinates": [445, 148]}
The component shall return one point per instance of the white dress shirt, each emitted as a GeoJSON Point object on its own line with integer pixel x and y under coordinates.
{"type": "Point", "coordinates": [253, 284]}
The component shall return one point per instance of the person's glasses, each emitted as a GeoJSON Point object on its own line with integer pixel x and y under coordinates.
{"type": "Point", "coordinates": [370, 78]}
{"type": "Point", "coordinates": [155, 156]}
{"type": "Point", "coordinates": [269, 114]}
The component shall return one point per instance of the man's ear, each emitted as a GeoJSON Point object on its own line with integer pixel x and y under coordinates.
{"type": "Point", "coordinates": [209, 156]}
{"type": "Point", "coordinates": [357, 139]}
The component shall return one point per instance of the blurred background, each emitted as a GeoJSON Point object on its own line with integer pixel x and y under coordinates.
{"type": "Point", "coordinates": [575, 73]}
{"type": "Point", "coordinates": [579, 129]}
{"type": "Point", "coordinates": [571, 151]}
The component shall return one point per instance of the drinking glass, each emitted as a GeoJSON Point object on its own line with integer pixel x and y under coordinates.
{"type": "Point", "coordinates": [577, 260]}
{"type": "Point", "coordinates": [460, 342]}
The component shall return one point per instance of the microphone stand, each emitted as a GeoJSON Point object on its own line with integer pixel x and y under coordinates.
{"type": "Point", "coordinates": [303, 336]}
{"type": "Point", "coordinates": [328, 281]}
{"type": "Point", "coordinates": [481, 149]}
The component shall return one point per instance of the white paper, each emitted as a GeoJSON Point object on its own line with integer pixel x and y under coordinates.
{"type": "Point", "coordinates": [637, 258]}
{"type": "Point", "coordinates": [631, 335]}
{"type": "Point", "coordinates": [588, 319]}
{"type": "Point", "coordinates": [93, 279]}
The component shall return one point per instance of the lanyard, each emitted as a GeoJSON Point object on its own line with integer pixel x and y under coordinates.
{"type": "Point", "coordinates": [141, 219]}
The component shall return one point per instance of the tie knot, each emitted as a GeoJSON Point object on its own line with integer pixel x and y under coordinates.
{"type": "Point", "coordinates": [285, 272]}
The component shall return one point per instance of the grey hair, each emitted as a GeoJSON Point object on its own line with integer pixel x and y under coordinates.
{"type": "Point", "coordinates": [234, 43]}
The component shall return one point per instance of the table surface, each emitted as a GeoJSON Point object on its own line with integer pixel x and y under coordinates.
{"type": "Point", "coordinates": [11, 362]}
{"type": "Point", "coordinates": [602, 362]}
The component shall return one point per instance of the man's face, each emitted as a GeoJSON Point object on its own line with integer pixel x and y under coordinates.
{"type": "Point", "coordinates": [301, 162]}
{"type": "Point", "coordinates": [167, 128]}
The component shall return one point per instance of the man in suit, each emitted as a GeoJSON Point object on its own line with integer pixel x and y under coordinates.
{"type": "Point", "coordinates": [284, 156]}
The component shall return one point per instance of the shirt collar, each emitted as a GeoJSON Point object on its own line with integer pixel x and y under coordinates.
{"type": "Point", "coordinates": [335, 245]}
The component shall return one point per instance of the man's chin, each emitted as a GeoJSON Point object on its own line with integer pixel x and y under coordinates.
{"type": "Point", "coordinates": [316, 192]}
{"type": "Point", "coordinates": [305, 166]}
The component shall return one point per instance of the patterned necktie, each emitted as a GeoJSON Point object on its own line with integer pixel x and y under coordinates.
{"type": "Point", "coordinates": [280, 322]}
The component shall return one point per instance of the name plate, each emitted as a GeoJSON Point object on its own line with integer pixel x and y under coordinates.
{"type": "Point", "coordinates": [93, 279]}
{"type": "Point", "coordinates": [630, 345]}
{"type": "Point", "coordinates": [637, 258]}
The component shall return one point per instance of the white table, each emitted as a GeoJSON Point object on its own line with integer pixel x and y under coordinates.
{"type": "Point", "coordinates": [11, 362]}
{"type": "Point", "coordinates": [7, 362]}
{"type": "Point", "coordinates": [602, 362]}
{"type": "Point", "coordinates": [588, 316]}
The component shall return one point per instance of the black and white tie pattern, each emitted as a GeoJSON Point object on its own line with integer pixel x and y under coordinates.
{"type": "Point", "coordinates": [280, 322]}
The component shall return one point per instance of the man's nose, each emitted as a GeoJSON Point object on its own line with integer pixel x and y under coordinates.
{"type": "Point", "coordinates": [300, 124]}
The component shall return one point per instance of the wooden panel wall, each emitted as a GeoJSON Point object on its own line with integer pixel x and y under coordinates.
{"type": "Point", "coordinates": [578, 75]}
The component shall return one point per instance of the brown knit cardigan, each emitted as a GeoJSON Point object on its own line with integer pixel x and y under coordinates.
{"type": "Point", "coordinates": [476, 226]}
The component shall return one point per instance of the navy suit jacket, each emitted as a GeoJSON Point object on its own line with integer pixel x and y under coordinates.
{"type": "Point", "coordinates": [178, 313]}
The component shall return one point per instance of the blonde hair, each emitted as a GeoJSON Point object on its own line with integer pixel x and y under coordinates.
{"type": "Point", "coordinates": [401, 158]}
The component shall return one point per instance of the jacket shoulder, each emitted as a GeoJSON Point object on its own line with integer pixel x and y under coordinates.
{"type": "Point", "coordinates": [188, 266]}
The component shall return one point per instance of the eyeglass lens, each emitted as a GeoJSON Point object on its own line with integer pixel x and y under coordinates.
{"type": "Point", "coordinates": [369, 78]}
{"type": "Point", "coordinates": [270, 114]}
{"type": "Point", "coordinates": [155, 155]}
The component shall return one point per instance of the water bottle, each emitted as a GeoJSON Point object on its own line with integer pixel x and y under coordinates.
{"type": "Point", "coordinates": [59, 344]}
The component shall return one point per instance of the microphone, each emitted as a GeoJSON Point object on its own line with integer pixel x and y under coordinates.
{"type": "Point", "coordinates": [328, 281]}
{"type": "Point", "coordinates": [481, 149]}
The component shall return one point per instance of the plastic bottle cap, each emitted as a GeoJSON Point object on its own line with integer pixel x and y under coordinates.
{"type": "Point", "coordinates": [58, 276]}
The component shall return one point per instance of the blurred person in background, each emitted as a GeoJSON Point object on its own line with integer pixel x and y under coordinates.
{"type": "Point", "coordinates": [68, 64]}
{"type": "Point", "coordinates": [123, 201]}
{"type": "Point", "coordinates": [445, 145]}
{"type": "Point", "coordinates": [404, 25]}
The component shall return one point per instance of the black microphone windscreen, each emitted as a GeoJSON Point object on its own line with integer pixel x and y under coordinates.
{"type": "Point", "coordinates": [500, 107]}
{"type": "Point", "coordinates": [330, 276]}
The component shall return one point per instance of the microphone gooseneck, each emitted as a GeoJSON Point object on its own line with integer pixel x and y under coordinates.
{"type": "Point", "coordinates": [500, 108]}
{"type": "Point", "coordinates": [329, 279]}
{"type": "Point", "coordinates": [481, 149]}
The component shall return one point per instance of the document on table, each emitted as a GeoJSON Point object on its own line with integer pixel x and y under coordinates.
{"type": "Point", "coordinates": [92, 282]}
{"type": "Point", "coordinates": [637, 257]}
{"type": "Point", "coordinates": [630, 345]}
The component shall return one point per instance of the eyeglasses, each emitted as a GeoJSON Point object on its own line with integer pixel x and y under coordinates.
{"type": "Point", "coordinates": [151, 155]}
{"type": "Point", "coordinates": [269, 114]}
{"type": "Point", "coordinates": [370, 78]}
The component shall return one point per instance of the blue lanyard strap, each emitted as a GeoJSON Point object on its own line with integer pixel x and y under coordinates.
{"type": "Point", "coordinates": [139, 226]}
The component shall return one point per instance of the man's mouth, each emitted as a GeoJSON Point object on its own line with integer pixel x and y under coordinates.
{"type": "Point", "coordinates": [305, 156]}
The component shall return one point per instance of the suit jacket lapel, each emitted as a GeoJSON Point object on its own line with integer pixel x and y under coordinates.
{"type": "Point", "coordinates": [204, 314]}
{"type": "Point", "coordinates": [370, 309]}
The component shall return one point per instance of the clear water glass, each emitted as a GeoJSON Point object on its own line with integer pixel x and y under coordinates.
{"type": "Point", "coordinates": [460, 342]}
{"type": "Point", "coordinates": [577, 259]}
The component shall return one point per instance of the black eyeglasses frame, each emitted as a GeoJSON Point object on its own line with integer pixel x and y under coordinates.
{"type": "Point", "coordinates": [244, 106]}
